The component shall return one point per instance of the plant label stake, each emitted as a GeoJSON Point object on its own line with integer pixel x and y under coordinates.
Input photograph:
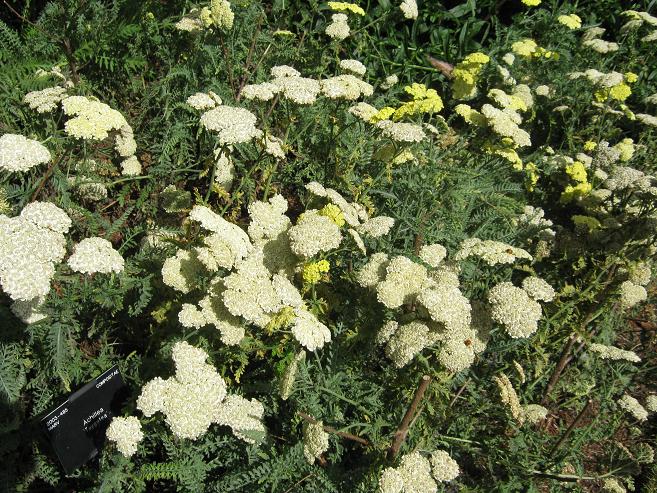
{"type": "Point", "coordinates": [77, 427]}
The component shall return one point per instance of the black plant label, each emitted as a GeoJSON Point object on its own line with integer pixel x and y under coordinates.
{"type": "Point", "coordinates": [77, 427]}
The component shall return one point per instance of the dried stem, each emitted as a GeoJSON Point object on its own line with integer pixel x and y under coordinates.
{"type": "Point", "coordinates": [459, 392]}
{"type": "Point", "coordinates": [402, 431]}
{"type": "Point", "coordinates": [330, 429]}
{"type": "Point", "coordinates": [46, 175]}
{"type": "Point", "coordinates": [572, 426]}
{"type": "Point", "coordinates": [229, 63]}
{"type": "Point", "coordinates": [563, 361]}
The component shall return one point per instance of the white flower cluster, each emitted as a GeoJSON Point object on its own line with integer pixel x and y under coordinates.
{"type": "Point", "coordinates": [354, 215]}
{"type": "Point", "coordinates": [232, 125]}
{"type": "Point", "coordinates": [338, 29]}
{"type": "Point", "coordinates": [45, 100]}
{"type": "Point", "coordinates": [515, 308]}
{"type": "Point", "coordinates": [363, 111]}
{"type": "Point", "coordinates": [126, 433]}
{"type": "Point", "coordinates": [634, 407]}
{"type": "Point", "coordinates": [90, 119]}
{"type": "Point", "coordinates": [390, 81]}
{"type": "Point", "coordinates": [640, 273]}
{"type": "Point", "coordinates": [591, 40]}
{"type": "Point", "coordinates": [535, 217]}
{"type": "Point", "coordinates": [131, 166]}
{"type": "Point", "coordinates": [30, 247]}
{"type": "Point", "coordinates": [490, 251]}
{"type": "Point", "coordinates": [506, 123]}
{"type": "Point", "coordinates": [353, 66]}
{"type": "Point", "coordinates": [409, 9]}
{"type": "Point", "coordinates": [538, 289]}
{"type": "Point", "coordinates": [244, 417]}
{"type": "Point", "coordinates": [345, 86]}
{"type": "Point", "coordinates": [631, 294]}
{"type": "Point", "coordinates": [291, 86]}
{"type": "Point", "coordinates": [510, 398]}
{"type": "Point", "coordinates": [195, 397]}
{"type": "Point", "coordinates": [204, 101]}
{"type": "Point", "coordinates": [651, 403]}
{"type": "Point", "coordinates": [448, 316]}
{"type": "Point", "coordinates": [286, 383]}
{"type": "Point", "coordinates": [94, 255]}
{"type": "Point", "coordinates": [418, 474]}
{"type": "Point", "coordinates": [315, 441]}
{"type": "Point", "coordinates": [401, 131]}
{"type": "Point", "coordinates": [18, 153]}
{"type": "Point", "coordinates": [253, 273]}
{"type": "Point", "coordinates": [219, 14]}
{"type": "Point", "coordinates": [443, 467]}
{"type": "Point", "coordinates": [614, 353]}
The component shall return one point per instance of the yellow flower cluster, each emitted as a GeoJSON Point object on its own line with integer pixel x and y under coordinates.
{"type": "Point", "coordinates": [346, 7]}
{"type": "Point", "coordinates": [465, 75]}
{"type": "Point", "coordinates": [312, 272]}
{"type": "Point", "coordinates": [626, 149]}
{"type": "Point", "coordinates": [334, 213]}
{"type": "Point", "coordinates": [383, 114]}
{"type": "Point", "coordinates": [619, 92]}
{"type": "Point", "coordinates": [577, 172]}
{"type": "Point", "coordinates": [571, 21]}
{"type": "Point", "coordinates": [529, 49]}
{"type": "Point", "coordinates": [589, 145]}
{"type": "Point", "coordinates": [531, 3]}
{"type": "Point", "coordinates": [424, 101]}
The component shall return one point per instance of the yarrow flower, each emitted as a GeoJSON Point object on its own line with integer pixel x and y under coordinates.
{"type": "Point", "coordinates": [233, 125]}
{"type": "Point", "coordinates": [338, 29]}
{"type": "Point", "coordinates": [490, 251]}
{"type": "Point", "coordinates": [538, 289]}
{"type": "Point", "coordinates": [571, 21]}
{"type": "Point", "coordinates": [30, 247]}
{"type": "Point", "coordinates": [514, 309]}
{"type": "Point", "coordinates": [126, 433]}
{"type": "Point", "coordinates": [313, 234]}
{"type": "Point", "coordinates": [45, 100]}
{"type": "Point", "coordinates": [414, 474]}
{"type": "Point", "coordinates": [18, 153]}
{"type": "Point", "coordinates": [95, 255]}
{"type": "Point", "coordinates": [287, 380]}
{"type": "Point", "coordinates": [346, 87]}
{"type": "Point", "coordinates": [631, 294]}
{"type": "Point", "coordinates": [90, 119]}
{"type": "Point", "coordinates": [614, 353]}
{"type": "Point", "coordinates": [353, 66]}
{"type": "Point", "coordinates": [632, 406]}
{"type": "Point", "coordinates": [409, 9]}
{"type": "Point", "coordinates": [131, 166]}
{"type": "Point", "coordinates": [314, 271]}
{"type": "Point", "coordinates": [390, 81]}
{"type": "Point", "coordinates": [201, 101]}
{"type": "Point", "coordinates": [401, 132]}
{"type": "Point", "coordinates": [264, 91]}
{"type": "Point", "coordinates": [443, 467]}
{"type": "Point", "coordinates": [510, 398]}
{"type": "Point", "coordinates": [300, 90]}
{"type": "Point", "coordinates": [315, 441]}
{"type": "Point", "coordinates": [195, 397]}
{"type": "Point", "coordinates": [346, 7]}
{"type": "Point", "coordinates": [466, 73]}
